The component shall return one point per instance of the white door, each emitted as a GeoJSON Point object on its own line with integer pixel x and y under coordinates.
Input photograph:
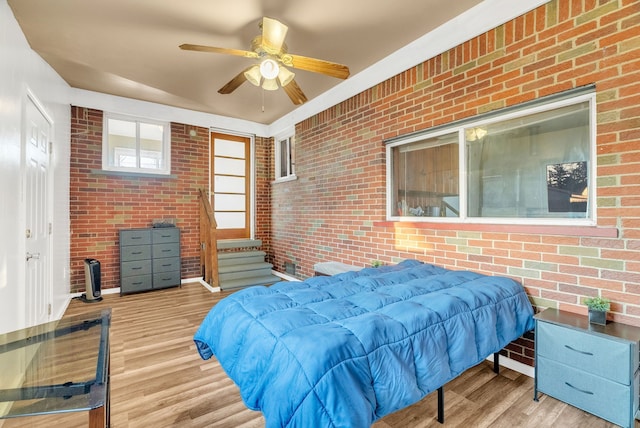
{"type": "Point", "coordinates": [38, 288]}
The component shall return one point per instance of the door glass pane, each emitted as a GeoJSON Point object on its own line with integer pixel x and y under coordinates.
{"type": "Point", "coordinates": [226, 220]}
{"type": "Point", "coordinates": [226, 166]}
{"type": "Point", "coordinates": [229, 202]}
{"type": "Point", "coordinates": [224, 184]}
{"type": "Point", "coordinates": [231, 149]}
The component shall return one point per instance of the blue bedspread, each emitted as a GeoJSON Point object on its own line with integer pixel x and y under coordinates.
{"type": "Point", "coordinates": [345, 350]}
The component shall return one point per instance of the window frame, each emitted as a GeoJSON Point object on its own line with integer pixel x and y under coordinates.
{"type": "Point", "coordinates": [526, 109]}
{"type": "Point", "coordinates": [165, 154]}
{"type": "Point", "coordinates": [288, 138]}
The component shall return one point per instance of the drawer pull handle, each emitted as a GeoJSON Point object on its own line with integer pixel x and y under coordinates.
{"type": "Point", "coordinates": [577, 350]}
{"type": "Point", "coordinates": [136, 268]}
{"type": "Point", "coordinates": [136, 283]}
{"type": "Point", "coordinates": [166, 251]}
{"type": "Point", "coordinates": [578, 389]}
{"type": "Point", "coordinates": [167, 265]}
{"type": "Point", "coordinates": [166, 236]}
{"type": "Point", "coordinates": [137, 252]}
{"type": "Point", "coordinates": [136, 237]}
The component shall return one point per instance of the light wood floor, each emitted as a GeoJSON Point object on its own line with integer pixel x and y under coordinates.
{"type": "Point", "coordinates": [159, 380]}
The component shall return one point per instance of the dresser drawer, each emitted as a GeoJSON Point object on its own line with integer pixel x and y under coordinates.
{"type": "Point", "coordinates": [166, 250]}
{"type": "Point", "coordinates": [138, 267]}
{"type": "Point", "coordinates": [166, 265]}
{"type": "Point", "coordinates": [594, 354]}
{"type": "Point", "coordinates": [166, 235]}
{"type": "Point", "coordinates": [135, 283]}
{"type": "Point", "coordinates": [135, 252]}
{"type": "Point", "coordinates": [166, 279]}
{"type": "Point", "coordinates": [135, 237]}
{"type": "Point", "coordinates": [604, 398]}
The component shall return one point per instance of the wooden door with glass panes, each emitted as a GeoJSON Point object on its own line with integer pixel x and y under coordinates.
{"type": "Point", "coordinates": [230, 185]}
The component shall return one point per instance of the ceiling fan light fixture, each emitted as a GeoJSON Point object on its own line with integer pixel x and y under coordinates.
{"type": "Point", "coordinates": [270, 85]}
{"type": "Point", "coordinates": [253, 75]}
{"type": "Point", "coordinates": [269, 68]}
{"type": "Point", "coordinates": [285, 76]}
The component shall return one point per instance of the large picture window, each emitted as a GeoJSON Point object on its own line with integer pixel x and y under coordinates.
{"type": "Point", "coordinates": [135, 145]}
{"type": "Point", "coordinates": [534, 165]}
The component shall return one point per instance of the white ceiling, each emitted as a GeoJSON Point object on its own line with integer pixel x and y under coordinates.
{"type": "Point", "coordinates": [130, 48]}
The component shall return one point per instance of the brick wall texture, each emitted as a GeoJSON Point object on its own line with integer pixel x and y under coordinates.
{"type": "Point", "coordinates": [336, 209]}
{"type": "Point", "coordinates": [103, 204]}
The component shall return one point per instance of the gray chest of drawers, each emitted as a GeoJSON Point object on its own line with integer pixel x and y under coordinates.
{"type": "Point", "coordinates": [149, 259]}
{"type": "Point", "coordinates": [592, 367]}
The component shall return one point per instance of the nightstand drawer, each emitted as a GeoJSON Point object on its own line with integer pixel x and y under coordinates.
{"type": "Point", "coordinates": [591, 353]}
{"type": "Point", "coordinates": [135, 237]}
{"type": "Point", "coordinates": [138, 267]}
{"type": "Point", "coordinates": [606, 399]}
{"type": "Point", "coordinates": [166, 235]}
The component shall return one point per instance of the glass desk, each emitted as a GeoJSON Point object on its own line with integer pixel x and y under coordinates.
{"type": "Point", "coordinates": [60, 366]}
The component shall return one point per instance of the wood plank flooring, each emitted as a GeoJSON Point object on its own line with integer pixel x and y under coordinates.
{"type": "Point", "coordinates": [159, 380]}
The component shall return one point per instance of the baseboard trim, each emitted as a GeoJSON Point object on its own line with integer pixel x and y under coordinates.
{"type": "Point", "coordinates": [285, 276]}
{"type": "Point", "coordinates": [202, 282]}
{"type": "Point", "coordinates": [514, 365]}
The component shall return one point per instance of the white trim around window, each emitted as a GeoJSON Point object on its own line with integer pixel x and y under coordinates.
{"type": "Point", "coordinates": [533, 164]}
{"type": "Point", "coordinates": [285, 156]}
{"type": "Point", "coordinates": [136, 145]}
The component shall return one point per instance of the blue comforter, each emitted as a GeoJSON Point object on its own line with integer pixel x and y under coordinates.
{"type": "Point", "coordinates": [345, 350]}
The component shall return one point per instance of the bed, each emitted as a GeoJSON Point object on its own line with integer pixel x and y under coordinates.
{"type": "Point", "coordinates": [346, 350]}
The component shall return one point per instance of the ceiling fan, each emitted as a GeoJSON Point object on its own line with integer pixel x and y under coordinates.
{"type": "Point", "coordinates": [271, 52]}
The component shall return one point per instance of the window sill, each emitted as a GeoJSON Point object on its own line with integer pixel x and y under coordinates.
{"type": "Point", "coordinates": [132, 174]}
{"type": "Point", "coordinates": [592, 231]}
{"type": "Point", "coordinates": [285, 179]}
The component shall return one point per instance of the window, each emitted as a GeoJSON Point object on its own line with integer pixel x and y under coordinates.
{"type": "Point", "coordinates": [135, 145]}
{"type": "Point", "coordinates": [534, 165]}
{"type": "Point", "coordinates": [285, 155]}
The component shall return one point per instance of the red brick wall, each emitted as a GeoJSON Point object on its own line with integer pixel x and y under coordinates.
{"type": "Point", "coordinates": [102, 204]}
{"type": "Point", "coordinates": [336, 208]}
{"type": "Point", "coordinates": [264, 171]}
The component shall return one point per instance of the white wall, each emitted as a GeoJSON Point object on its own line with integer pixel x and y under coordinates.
{"type": "Point", "coordinates": [22, 70]}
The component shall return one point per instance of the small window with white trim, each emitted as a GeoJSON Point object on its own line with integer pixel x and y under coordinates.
{"type": "Point", "coordinates": [135, 145]}
{"type": "Point", "coordinates": [285, 157]}
{"type": "Point", "coordinates": [530, 164]}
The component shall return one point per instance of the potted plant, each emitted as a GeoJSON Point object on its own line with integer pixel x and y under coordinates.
{"type": "Point", "coordinates": [376, 263]}
{"type": "Point", "coordinates": [598, 307]}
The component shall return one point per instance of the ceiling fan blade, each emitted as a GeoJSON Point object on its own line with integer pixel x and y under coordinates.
{"type": "Point", "coordinates": [316, 65]}
{"type": "Point", "coordinates": [201, 48]}
{"type": "Point", "coordinates": [295, 93]}
{"type": "Point", "coordinates": [273, 34]}
{"type": "Point", "coordinates": [234, 83]}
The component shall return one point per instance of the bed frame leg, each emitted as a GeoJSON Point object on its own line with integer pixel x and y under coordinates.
{"type": "Point", "coordinates": [496, 363]}
{"type": "Point", "coordinates": [441, 404]}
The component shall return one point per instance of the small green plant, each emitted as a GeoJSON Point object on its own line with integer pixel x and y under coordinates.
{"type": "Point", "coordinates": [376, 263]}
{"type": "Point", "coordinates": [598, 303]}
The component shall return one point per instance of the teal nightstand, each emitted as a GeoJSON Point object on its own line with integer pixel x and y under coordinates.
{"type": "Point", "coordinates": [592, 367]}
